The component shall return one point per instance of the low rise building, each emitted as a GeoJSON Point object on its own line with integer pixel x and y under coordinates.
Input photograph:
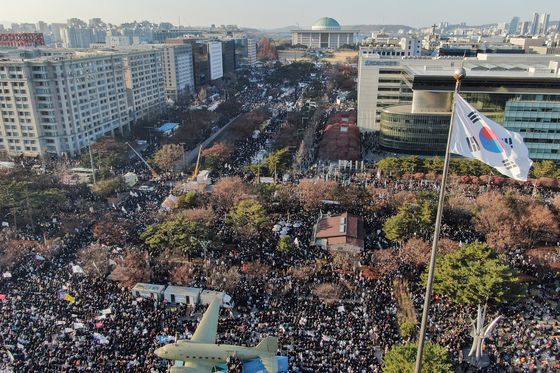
{"type": "Point", "coordinates": [343, 232]}
{"type": "Point", "coordinates": [21, 39]}
{"type": "Point", "coordinates": [340, 140]}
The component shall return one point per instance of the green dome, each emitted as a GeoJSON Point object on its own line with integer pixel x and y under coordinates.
{"type": "Point", "coordinates": [326, 23]}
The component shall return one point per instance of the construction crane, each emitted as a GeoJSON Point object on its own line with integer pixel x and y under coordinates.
{"type": "Point", "coordinates": [196, 168]}
{"type": "Point", "coordinates": [154, 173]}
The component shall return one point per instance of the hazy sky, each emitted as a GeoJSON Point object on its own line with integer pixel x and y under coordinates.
{"type": "Point", "coordinates": [277, 13]}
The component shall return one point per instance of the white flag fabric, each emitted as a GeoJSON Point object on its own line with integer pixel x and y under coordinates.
{"type": "Point", "coordinates": [476, 136]}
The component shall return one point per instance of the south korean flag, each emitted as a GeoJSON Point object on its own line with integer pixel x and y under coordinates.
{"type": "Point", "coordinates": [476, 136]}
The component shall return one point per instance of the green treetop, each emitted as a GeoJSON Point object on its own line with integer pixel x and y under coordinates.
{"type": "Point", "coordinates": [475, 275]}
{"type": "Point", "coordinates": [401, 359]}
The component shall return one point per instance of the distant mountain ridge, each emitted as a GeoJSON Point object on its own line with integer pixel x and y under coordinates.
{"type": "Point", "coordinates": [386, 28]}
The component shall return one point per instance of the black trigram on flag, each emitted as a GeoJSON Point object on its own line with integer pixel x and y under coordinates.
{"type": "Point", "coordinates": [508, 164]}
{"type": "Point", "coordinates": [473, 144]}
{"type": "Point", "coordinates": [508, 141]}
{"type": "Point", "coordinates": [473, 116]}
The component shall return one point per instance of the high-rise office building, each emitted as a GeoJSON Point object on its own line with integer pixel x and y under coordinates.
{"type": "Point", "coordinates": [178, 71]}
{"type": "Point", "coordinates": [524, 28]}
{"type": "Point", "coordinates": [535, 24]}
{"type": "Point", "coordinates": [543, 25]}
{"type": "Point", "coordinates": [251, 52]}
{"type": "Point", "coordinates": [513, 26]}
{"type": "Point", "coordinates": [215, 62]}
{"type": "Point", "coordinates": [228, 56]}
{"type": "Point", "coordinates": [245, 52]}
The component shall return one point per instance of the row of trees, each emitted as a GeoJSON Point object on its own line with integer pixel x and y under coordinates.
{"type": "Point", "coordinates": [507, 220]}
{"type": "Point", "coordinates": [396, 167]}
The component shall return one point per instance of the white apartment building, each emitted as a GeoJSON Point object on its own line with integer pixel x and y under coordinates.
{"type": "Point", "coordinates": [411, 46]}
{"type": "Point", "coordinates": [73, 37]}
{"type": "Point", "coordinates": [215, 61]}
{"type": "Point", "coordinates": [178, 70]}
{"type": "Point", "coordinates": [58, 105]}
{"type": "Point", "coordinates": [380, 83]}
{"type": "Point", "coordinates": [145, 83]}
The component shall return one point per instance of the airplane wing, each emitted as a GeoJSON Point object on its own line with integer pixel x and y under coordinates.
{"type": "Point", "coordinates": [191, 366]}
{"type": "Point", "coordinates": [208, 328]}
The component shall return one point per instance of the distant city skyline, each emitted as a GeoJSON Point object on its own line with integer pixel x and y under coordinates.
{"type": "Point", "coordinates": [266, 14]}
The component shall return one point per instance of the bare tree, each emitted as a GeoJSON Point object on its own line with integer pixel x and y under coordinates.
{"type": "Point", "coordinates": [223, 278]}
{"type": "Point", "coordinates": [169, 156]}
{"type": "Point", "coordinates": [182, 274]}
{"type": "Point", "coordinates": [227, 192]}
{"type": "Point", "coordinates": [94, 259]}
{"type": "Point", "coordinates": [134, 268]}
{"type": "Point", "coordinates": [312, 192]}
{"type": "Point", "coordinates": [328, 292]}
{"type": "Point", "coordinates": [256, 270]}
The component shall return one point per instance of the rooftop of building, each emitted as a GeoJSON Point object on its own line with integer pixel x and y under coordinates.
{"type": "Point", "coordinates": [67, 54]}
{"type": "Point", "coordinates": [481, 69]}
{"type": "Point", "coordinates": [340, 225]}
{"type": "Point", "coordinates": [341, 138]}
{"type": "Point", "coordinates": [326, 23]}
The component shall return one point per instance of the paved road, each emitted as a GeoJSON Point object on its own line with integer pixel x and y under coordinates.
{"type": "Point", "coordinates": [192, 155]}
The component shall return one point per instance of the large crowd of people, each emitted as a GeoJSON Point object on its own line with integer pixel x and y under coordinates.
{"type": "Point", "coordinates": [55, 319]}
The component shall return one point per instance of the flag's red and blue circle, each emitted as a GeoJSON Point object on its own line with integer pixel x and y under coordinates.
{"type": "Point", "coordinates": [489, 140]}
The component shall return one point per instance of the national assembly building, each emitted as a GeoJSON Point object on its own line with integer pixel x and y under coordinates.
{"type": "Point", "coordinates": [326, 33]}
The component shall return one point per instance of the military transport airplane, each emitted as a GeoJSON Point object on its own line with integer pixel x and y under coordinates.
{"type": "Point", "coordinates": [201, 354]}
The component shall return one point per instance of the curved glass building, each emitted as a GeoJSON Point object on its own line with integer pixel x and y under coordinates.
{"type": "Point", "coordinates": [416, 133]}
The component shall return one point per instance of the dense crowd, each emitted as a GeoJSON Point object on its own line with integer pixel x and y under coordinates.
{"type": "Point", "coordinates": [102, 327]}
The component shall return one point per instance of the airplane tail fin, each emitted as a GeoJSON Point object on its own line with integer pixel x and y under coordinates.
{"type": "Point", "coordinates": [269, 344]}
{"type": "Point", "coordinates": [270, 363]}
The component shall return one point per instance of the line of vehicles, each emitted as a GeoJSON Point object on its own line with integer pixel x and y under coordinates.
{"type": "Point", "coordinates": [181, 295]}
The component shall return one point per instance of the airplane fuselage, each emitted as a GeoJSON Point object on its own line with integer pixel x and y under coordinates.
{"type": "Point", "coordinates": [206, 352]}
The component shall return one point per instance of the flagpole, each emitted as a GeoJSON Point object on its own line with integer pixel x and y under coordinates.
{"type": "Point", "coordinates": [459, 74]}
